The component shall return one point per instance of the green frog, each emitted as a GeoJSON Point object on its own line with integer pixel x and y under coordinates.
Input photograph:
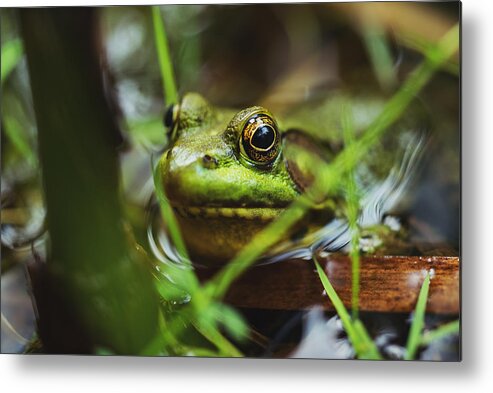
{"type": "Point", "coordinates": [228, 173]}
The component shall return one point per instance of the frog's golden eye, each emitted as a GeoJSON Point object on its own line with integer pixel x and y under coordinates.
{"type": "Point", "coordinates": [260, 139]}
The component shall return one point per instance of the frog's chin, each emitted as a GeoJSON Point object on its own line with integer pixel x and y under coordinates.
{"type": "Point", "coordinates": [263, 214]}
{"type": "Point", "coordinates": [214, 235]}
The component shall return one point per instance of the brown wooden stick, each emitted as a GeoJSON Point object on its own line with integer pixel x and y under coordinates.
{"type": "Point", "coordinates": [387, 284]}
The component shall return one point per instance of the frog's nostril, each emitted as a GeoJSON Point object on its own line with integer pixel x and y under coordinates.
{"type": "Point", "coordinates": [209, 161]}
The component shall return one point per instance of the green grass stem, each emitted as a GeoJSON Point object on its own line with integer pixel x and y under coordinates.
{"type": "Point", "coordinates": [17, 136]}
{"type": "Point", "coordinates": [11, 54]}
{"type": "Point", "coordinates": [422, 45]}
{"type": "Point", "coordinates": [353, 206]}
{"type": "Point", "coordinates": [440, 332]}
{"type": "Point", "coordinates": [363, 345]}
{"type": "Point", "coordinates": [380, 56]}
{"type": "Point", "coordinates": [222, 343]}
{"type": "Point", "coordinates": [189, 282]}
{"type": "Point", "coordinates": [168, 216]}
{"type": "Point", "coordinates": [414, 338]}
{"type": "Point", "coordinates": [165, 63]}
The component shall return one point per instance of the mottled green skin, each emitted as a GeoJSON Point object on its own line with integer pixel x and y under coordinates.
{"type": "Point", "coordinates": [224, 179]}
{"type": "Point", "coordinates": [203, 172]}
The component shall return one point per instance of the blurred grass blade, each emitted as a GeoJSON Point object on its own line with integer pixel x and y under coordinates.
{"type": "Point", "coordinates": [337, 302]}
{"type": "Point", "coordinates": [440, 332]}
{"type": "Point", "coordinates": [353, 205]}
{"type": "Point", "coordinates": [147, 131]}
{"type": "Point", "coordinates": [215, 336]}
{"type": "Point", "coordinates": [95, 269]}
{"type": "Point", "coordinates": [168, 215]}
{"type": "Point", "coordinates": [10, 56]}
{"type": "Point", "coordinates": [421, 45]}
{"type": "Point", "coordinates": [367, 348]}
{"type": "Point", "coordinates": [380, 56]}
{"type": "Point", "coordinates": [186, 276]}
{"type": "Point", "coordinates": [417, 325]}
{"type": "Point", "coordinates": [232, 321]}
{"type": "Point", "coordinates": [17, 136]}
{"type": "Point", "coordinates": [363, 345]}
{"type": "Point", "coordinates": [201, 312]}
{"type": "Point", "coordinates": [165, 63]}
{"type": "Point", "coordinates": [261, 242]}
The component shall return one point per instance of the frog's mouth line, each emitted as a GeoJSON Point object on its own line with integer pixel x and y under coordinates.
{"type": "Point", "coordinates": [244, 213]}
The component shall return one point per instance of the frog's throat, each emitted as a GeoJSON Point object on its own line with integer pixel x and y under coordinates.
{"type": "Point", "coordinates": [244, 213]}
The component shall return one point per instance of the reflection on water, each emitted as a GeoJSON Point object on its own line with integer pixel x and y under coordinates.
{"type": "Point", "coordinates": [318, 334]}
{"type": "Point", "coordinates": [322, 338]}
{"type": "Point", "coordinates": [385, 196]}
{"type": "Point", "coordinates": [18, 319]}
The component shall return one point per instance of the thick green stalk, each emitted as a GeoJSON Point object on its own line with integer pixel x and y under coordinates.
{"type": "Point", "coordinates": [94, 267]}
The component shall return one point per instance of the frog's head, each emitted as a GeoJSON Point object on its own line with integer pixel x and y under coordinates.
{"type": "Point", "coordinates": [224, 174]}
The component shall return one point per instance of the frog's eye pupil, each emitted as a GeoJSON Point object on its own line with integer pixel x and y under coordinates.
{"type": "Point", "coordinates": [264, 137]}
{"type": "Point", "coordinates": [260, 139]}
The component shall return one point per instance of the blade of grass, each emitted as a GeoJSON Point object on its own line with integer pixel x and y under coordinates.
{"type": "Point", "coordinates": [379, 52]}
{"type": "Point", "coordinates": [192, 282]}
{"type": "Point", "coordinates": [421, 45]}
{"type": "Point", "coordinates": [17, 136]}
{"type": "Point", "coordinates": [232, 321]}
{"type": "Point", "coordinates": [147, 131]}
{"type": "Point", "coordinates": [368, 348]}
{"type": "Point", "coordinates": [352, 215]}
{"type": "Point", "coordinates": [197, 314]}
{"type": "Point", "coordinates": [168, 215]}
{"type": "Point", "coordinates": [363, 345]}
{"type": "Point", "coordinates": [200, 299]}
{"type": "Point", "coordinates": [166, 67]}
{"type": "Point", "coordinates": [417, 325]}
{"type": "Point", "coordinates": [11, 54]}
{"type": "Point", "coordinates": [440, 332]}
{"type": "Point", "coordinates": [337, 302]}
{"type": "Point", "coordinates": [345, 161]}
{"type": "Point", "coordinates": [170, 94]}
{"type": "Point", "coordinates": [214, 336]}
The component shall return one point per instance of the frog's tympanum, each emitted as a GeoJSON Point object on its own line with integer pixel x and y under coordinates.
{"type": "Point", "coordinates": [228, 174]}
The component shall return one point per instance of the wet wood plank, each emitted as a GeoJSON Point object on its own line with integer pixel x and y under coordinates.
{"type": "Point", "coordinates": [388, 284]}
